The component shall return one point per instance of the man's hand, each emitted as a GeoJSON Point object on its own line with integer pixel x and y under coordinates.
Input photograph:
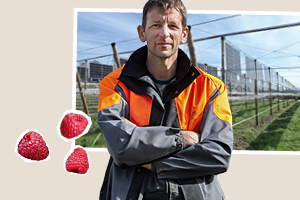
{"type": "Point", "coordinates": [190, 138]}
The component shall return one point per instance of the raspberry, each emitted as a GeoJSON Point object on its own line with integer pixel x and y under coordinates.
{"type": "Point", "coordinates": [33, 146]}
{"type": "Point", "coordinates": [73, 125]}
{"type": "Point", "coordinates": [78, 161]}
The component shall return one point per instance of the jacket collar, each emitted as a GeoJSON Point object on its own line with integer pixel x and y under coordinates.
{"type": "Point", "coordinates": [136, 64]}
{"type": "Point", "coordinates": [134, 76]}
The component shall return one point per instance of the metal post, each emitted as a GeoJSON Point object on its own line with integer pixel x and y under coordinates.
{"type": "Point", "coordinates": [278, 90]}
{"type": "Point", "coordinates": [282, 89]}
{"type": "Point", "coordinates": [270, 91]}
{"type": "Point", "coordinates": [230, 81]}
{"type": "Point", "coordinates": [192, 47]}
{"type": "Point", "coordinates": [86, 74]}
{"type": "Point", "coordinates": [245, 90]}
{"type": "Point", "coordinates": [287, 92]}
{"type": "Point", "coordinates": [230, 86]}
{"type": "Point", "coordinates": [262, 90]}
{"type": "Point", "coordinates": [256, 93]}
{"type": "Point", "coordinates": [116, 56]}
{"type": "Point", "coordinates": [86, 110]}
{"type": "Point", "coordinates": [223, 60]}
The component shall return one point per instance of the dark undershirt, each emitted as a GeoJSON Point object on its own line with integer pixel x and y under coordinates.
{"type": "Point", "coordinates": [160, 84]}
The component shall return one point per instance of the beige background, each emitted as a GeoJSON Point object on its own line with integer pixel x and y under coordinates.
{"type": "Point", "coordinates": [36, 79]}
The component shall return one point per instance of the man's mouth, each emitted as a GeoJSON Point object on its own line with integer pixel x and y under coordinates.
{"type": "Point", "coordinates": [163, 43]}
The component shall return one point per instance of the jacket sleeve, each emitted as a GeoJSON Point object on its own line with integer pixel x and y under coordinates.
{"type": "Point", "coordinates": [129, 144]}
{"type": "Point", "coordinates": [212, 154]}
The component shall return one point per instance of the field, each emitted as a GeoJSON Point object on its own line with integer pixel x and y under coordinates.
{"type": "Point", "coordinates": [277, 132]}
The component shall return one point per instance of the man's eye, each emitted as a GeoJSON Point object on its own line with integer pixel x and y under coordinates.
{"type": "Point", "coordinates": [173, 26]}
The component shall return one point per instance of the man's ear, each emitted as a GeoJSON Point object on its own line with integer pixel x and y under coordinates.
{"type": "Point", "coordinates": [141, 33]}
{"type": "Point", "coordinates": [184, 35]}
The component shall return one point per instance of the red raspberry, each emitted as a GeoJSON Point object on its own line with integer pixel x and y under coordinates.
{"type": "Point", "coordinates": [73, 125]}
{"type": "Point", "coordinates": [78, 161]}
{"type": "Point", "coordinates": [33, 146]}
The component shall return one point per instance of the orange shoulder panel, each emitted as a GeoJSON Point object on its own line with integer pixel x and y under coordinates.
{"type": "Point", "coordinates": [107, 95]}
{"type": "Point", "coordinates": [192, 101]}
{"type": "Point", "coordinates": [139, 105]}
{"type": "Point", "coordinates": [221, 105]}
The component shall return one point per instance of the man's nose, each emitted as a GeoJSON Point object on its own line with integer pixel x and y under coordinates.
{"type": "Point", "coordinates": [164, 31]}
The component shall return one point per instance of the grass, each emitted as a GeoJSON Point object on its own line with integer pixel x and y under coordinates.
{"type": "Point", "coordinates": [277, 132]}
{"type": "Point", "coordinates": [241, 110]}
{"type": "Point", "coordinates": [282, 134]}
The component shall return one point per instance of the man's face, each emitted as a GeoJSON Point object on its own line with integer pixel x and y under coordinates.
{"type": "Point", "coordinates": [163, 32]}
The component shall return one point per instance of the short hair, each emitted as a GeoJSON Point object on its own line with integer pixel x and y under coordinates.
{"type": "Point", "coordinates": [165, 4]}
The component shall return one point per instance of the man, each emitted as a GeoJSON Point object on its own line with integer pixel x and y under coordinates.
{"type": "Point", "coordinates": [167, 124]}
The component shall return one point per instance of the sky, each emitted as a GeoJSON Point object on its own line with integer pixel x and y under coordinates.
{"type": "Point", "coordinates": [96, 29]}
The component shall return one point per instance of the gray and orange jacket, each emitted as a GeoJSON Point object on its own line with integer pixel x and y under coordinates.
{"type": "Point", "coordinates": [195, 101]}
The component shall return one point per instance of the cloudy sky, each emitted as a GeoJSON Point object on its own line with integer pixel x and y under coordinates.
{"type": "Point", "coordinates": [96, 29]}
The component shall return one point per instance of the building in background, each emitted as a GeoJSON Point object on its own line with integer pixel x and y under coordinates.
{"type": "Point", "coordinates": [95, 72]}
{"type": "Point", "coordinates": [209, 69]}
